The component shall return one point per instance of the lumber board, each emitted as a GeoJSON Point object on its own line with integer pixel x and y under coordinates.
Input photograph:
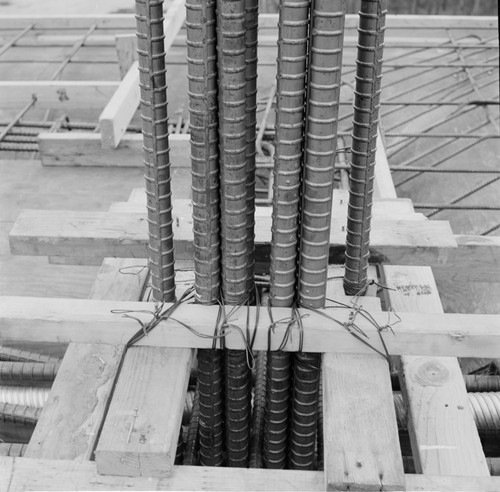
{"type": "Point", "coordinates": [139, 436]}
{"type": "Point", "coordinates": [443, 434]}
{"type": "Point", "coordinates": [112, 234]}
{"type": "Point", "coordinates": [85, 149]}
{"type": "Point", "coordinates": [57, 94]}
{"type": "Point", "coordinates": [72, 417]}
{"type": "Point", "coordinates": [120, 109]}
{"type": "Point", "coordinates": [121, 279]}
{"type": "Point", "coordinates": [96, 321]}
{"type": "Point", "coordinates": [25, 474]}
{"type": "Point", "coordinates": [383, 185]}
{"type": "Point", "coordinates": [29, 474]}
{"type": "Point", "coordinates": [127, 21]}
{"type": "Point", "coordinates": [361, 443]}
{"type": "Point", "coordinates": [126, 52]}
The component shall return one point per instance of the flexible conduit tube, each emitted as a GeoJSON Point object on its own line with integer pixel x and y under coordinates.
{"type": "Point", "coordinates": [12, 449]}
{"type": "Point", "coordinates": [322, 107]}
{"type": "Point", "coordinates": [24, 396]}
{"type": "Point", "coordinates": [364, 142]}
{"type": "Point", "coordinates": [293, 28]}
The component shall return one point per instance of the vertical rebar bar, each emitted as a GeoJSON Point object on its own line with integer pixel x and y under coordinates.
{"type": "Point", "coordinates": [364, 142]}
{"type": "Point", "coordinates": [251, 29]}
{"type": "Point", "coordinates": [322, 107]}
{"type": "Point", "coordinates": [289, 128]}
{"type": "Point", "coordinates": [231, 52]}
{"type": "Point", "coordinates": [202, 76]}
{"type": "Point", "coordinates": [152, 81]}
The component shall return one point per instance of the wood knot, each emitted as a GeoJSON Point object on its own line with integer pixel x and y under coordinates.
{"type": "Point", "coordinates": [429, 373]}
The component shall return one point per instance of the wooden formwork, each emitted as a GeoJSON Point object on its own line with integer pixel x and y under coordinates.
{"type": "Point", "coordinates": [111, 413]}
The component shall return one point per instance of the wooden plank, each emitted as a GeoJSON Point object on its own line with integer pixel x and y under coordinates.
{"type": "Point", "coordinates": [29, 474]}
{"type": "Point", "coordinates": [383, 186]}
{"type": "Point", "coordinates": [76, 260]}
{"type": "Point", "coordinates": [139, 436]}
{"type": "Point", "coordinates": [126, 51]}
{"type": "Point", "coordinates": [111, 21]}
{"type": "Point", "coordinates": [72, 417]}
{"type": "Point", "coordinates": [25, 474]}
{"type": "Point", "coordinates": [121, 279]}
{"type": "Point", "coordinates": [443, 434]}
{"type": "Point", "coordinates": [120, 109]}
{"type": "Point", "coordinates": [361, 443]}
{"type": "Point", "coordinates": [85, 149]}
{"type": "Point", "coordinates": [6, 473]}
{"type": "Point", "coordinates": [96, 321]}
{"type": "Point", "coordinates": [444, 483]}
{"type": "Point", "coordinates": [112, 234]}
{"type": "Point", "coordinates": [57, 94]}
{"type": "Point", "coordinates": [127, 21]}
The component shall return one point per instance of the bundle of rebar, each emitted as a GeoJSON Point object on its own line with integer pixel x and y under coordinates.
{"type": "Point", "coordinates": [222, 74]}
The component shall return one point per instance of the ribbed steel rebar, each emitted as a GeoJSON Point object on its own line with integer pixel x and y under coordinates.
{"type": "Point", "coordinates": [202, 76]}
{"type": "Point", "coordinates": [211, 401]}
{"type": "Point", "coordinates": [191, 449]}
{"type": "Point", "coordinates": [19, 414]}
{"type": "Point", "coordinates": [152, 81]}
{"type": "Point", "coordinates": [27, 371]}
{"type": "Point", "coordinates": [322, 106]}
{"type": "Point", "coordinates": [251, 28]}
{"type": "Point", "coordinates": [364, 142]}
{"type": "Point", "coordinates": [293, 29]}
{"type": "Point", "coordinates": [24, 395]}
{"type": "Point", "coordinates": [259, 404]}
{"type": "Point", "coordinates": [203, 107]}
{"type": "Point", "coordinates": [18, 355]}
{"type": "Point", "coordinates": [231, 51]}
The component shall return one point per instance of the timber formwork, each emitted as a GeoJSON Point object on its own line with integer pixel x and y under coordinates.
{"type": "Point", "coordinates": [109, 432]}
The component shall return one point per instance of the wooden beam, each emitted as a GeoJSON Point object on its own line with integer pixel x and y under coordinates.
{"type": "Point", "coordinates": [85, 149]}
{"type": "Point", "coordinates": [27, 474]}
{"type": "Point", "coordinates": [57, 94]}
{"type": "Point", "coordinates": [24, 474]}
{"type": "Point", "coordinates": [93, 321]}
{"type": "Point", "coordinates": [443, 434]}
{"type": "Point", "coordinates": [120, 109]}
{"type": "Point", "coordinates": [383, 186]}
{"type": "Point", "coordinates": [112, 234]}
{"type": "Point", "coordinates": [69, 22]}
{"type": "Point", "coordinates": [126, 52]}
{"type": "Point", "coordinates": [361, 443]}
{"type": "Point", "coordinates": [73, 415]}
{"type": "Point", "coordinates": [139, 436]}
{"type": "Point", "coordinates": [360, 435]}
{"type": "Point", "coordinates": [266, 21]}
